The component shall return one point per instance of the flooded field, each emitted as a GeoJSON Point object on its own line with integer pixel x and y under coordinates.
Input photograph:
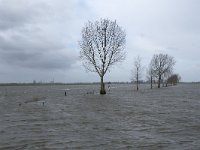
{"type": "Point", "coordinates": [42, 117]}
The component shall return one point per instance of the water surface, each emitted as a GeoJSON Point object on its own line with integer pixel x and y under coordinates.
{"type": "Point", "coordinates": [42, 117]}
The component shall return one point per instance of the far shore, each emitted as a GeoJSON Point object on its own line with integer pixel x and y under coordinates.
{"type": "Point", "coordinates": [78, 83]}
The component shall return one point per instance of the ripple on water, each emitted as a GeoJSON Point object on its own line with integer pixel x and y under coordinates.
{"type": "Point", "coordinates": [123, 119]}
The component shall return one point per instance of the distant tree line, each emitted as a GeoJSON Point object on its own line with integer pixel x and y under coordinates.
{"type": "Point", "coordinates": [160, 71]}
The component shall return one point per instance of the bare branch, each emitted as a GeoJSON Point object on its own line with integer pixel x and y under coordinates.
{"type": "Point", "coordinates": [137, 71]}
{"type": "Point", "coordinates": [162, 66]}
{"type": "Point", "coordinates": [102, 45]}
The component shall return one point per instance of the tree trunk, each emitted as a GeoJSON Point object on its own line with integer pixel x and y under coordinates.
{"type": "Point", "coordinates": [102, 91]}
{"type": "Point", "coordinates": [137, 82]}
{"type": "Point", "coordinates": [151, 82]}
{"type": "Point", "coordinates": [159, 79]}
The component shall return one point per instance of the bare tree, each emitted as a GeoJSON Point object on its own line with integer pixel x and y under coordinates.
{"type": "Point", "coordinates": [137, 71]}
{"type": "Point", "coordinates": [150, 75]}
{"type": "Point", "coordinates": [162, 64]}
{"type": "Point", "coordinates": [102, 46]}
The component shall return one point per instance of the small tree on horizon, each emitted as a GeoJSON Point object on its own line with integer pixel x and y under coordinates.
{"type": "Point", "coordinates": [174, 79]}
{"type": "Point", "coordinates": [102, 46]}
{"type": "Point", "coordinates": [137, 71]}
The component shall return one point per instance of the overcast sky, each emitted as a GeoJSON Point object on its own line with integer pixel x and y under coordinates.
{"type": "Point", "coordinates": [39, 38]}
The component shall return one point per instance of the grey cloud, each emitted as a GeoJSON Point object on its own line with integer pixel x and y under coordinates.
{"type": "Point", "coordinates": [34, 51]}
{"type": "Point", "coordinates": [30, 37]}
{"type": "Point", "coordinates": [14, 13]}
{"type": "Point", "coordinates": [26, 41]}
{"type": "Point", "coordinates": [37, 61]}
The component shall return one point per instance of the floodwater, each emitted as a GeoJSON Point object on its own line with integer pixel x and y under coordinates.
{"type": "Point", "coordinates": [42, 117]}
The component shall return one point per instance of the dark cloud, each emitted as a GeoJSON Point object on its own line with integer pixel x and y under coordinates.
{"type": "Point", "coordinates": [35, 53]}
{"type": "Point", "coordinates": [29, 37]}
{"type": "Point", "coordinates": [25, 41]}
{"type": "Point", "coordinates": [37, 61]}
